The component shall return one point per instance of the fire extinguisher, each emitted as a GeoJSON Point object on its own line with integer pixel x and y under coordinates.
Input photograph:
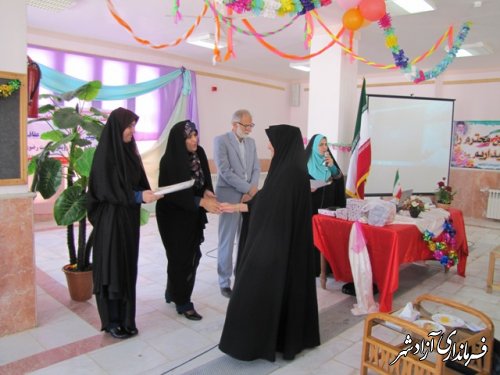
{"type": "Point", "coordinates": [34, 76]}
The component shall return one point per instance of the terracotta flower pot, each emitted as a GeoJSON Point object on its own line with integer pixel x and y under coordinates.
{"type": "Point", "coordinates": [80, 284]}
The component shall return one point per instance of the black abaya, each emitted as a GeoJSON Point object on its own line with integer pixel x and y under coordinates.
{"type": "Point", "coordinates": [116, 174]}
{"type": "Point", "coordinates": [273, 307]}
{"type": "Point", "coordinates": [180, 219]}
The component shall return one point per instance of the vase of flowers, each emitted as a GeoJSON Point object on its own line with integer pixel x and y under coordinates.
{"type": "Point", "coordinates": [414, 205]}
{"type": "Point", "coordinates": [444, 194]}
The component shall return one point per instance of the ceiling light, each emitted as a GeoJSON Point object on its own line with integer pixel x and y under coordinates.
{"type": "Point", "coordinates": [53, 5]}
{"type": "Point", "coordinates": [206, 41]}
{"type": "Point", "coordinates": [473, 49]}
{"type": "Point", "coordinates": [415, 6]}
{"type": "Point", "coordinates": [304, 66]}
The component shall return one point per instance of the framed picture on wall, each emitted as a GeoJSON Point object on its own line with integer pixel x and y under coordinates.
{"type": "Point", "coordinates": [476, 144]}
{"type": "Point", "coordinates": [13, 117]}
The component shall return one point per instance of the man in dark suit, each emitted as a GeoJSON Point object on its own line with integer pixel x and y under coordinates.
{"type": "Point", "coordinates": [238, 171]}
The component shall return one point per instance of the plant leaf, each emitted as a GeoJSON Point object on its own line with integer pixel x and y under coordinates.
{"type": "Point", "coordinates": [49, 177]}
{"type": "Point", "coordinates": [66, 118]}
{"type": "Point", "coordinates": [144, 216]}
{"type": "Point", "coordinates": [84, 163]}
{"type": "Point", "coordinates": [70, 206]}
{"type": "Point", "coordinates": [88, 91]}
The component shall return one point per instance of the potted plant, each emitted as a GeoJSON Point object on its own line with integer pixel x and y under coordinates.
{"type": "Point", "coordinates": [73, 130]}
{"type": "Point", "coordinates": [414, 205]}
{"type": "Point", "coordinates": [444, 194]}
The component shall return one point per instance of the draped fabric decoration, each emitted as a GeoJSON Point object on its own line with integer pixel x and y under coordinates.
{"type": "Point", "coordinates": [180, 103]}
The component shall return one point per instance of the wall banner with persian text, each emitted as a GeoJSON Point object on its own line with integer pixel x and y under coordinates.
{"type": "Point", "coordinates": [476, 144]}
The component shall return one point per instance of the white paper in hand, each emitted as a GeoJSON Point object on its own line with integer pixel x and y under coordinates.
{"type": "Point", "coordinates": [316, 184]}
{"type": "Point", "coordinates": [175, 187]}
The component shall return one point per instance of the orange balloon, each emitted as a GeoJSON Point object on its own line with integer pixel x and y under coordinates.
{"type": "Point", "coordinates": [352, 19]}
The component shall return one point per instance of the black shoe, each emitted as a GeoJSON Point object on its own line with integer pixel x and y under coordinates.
{"type": "Point", "coordinates": [226, 292]}
{"type": "Point", "coordinates": [132, 331]}
{"type": "Point", "coordinates": [168, 299]}
{"type": "Point", "coordinates": [191, 315]}
{"type": "Point", "coordinates": [118, 333]}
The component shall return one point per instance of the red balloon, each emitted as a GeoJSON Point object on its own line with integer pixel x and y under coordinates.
{"type": "Point", "coordinates": [352, 19]}
{"type": "Point", "coordinates": [372, 10]}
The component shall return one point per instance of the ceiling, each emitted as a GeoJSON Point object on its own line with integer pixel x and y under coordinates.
{"type": "Point", "coordinates": [153, 20]}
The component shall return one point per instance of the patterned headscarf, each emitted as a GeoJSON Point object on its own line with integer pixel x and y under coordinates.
{"type": "Point", "coordinates": [194, 160]}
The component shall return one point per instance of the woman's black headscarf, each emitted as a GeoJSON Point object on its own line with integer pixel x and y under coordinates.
{"type": "Point", "coordinates": [179, 165]}
{"type": "Point", "coordinates": [117, 169]}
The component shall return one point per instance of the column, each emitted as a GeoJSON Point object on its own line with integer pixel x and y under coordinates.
{"type": "Point", "coordinates": [333, 93]}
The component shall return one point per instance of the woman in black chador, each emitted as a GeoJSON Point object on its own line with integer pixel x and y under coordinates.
{"type": "Point", "coordinates": [181, 216]}
{"type": "Point", "coordinates": [322, 166]}
{"type": "Point", "coordinates": [117, 187]}
{"type": "Point", "coordinates": [273, 307]}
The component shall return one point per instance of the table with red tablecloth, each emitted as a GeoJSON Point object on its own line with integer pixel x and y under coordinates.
{"type": "Point", "coordinates": [388, 247]}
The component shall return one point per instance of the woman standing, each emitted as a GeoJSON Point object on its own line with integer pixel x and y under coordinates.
{"type": "Point", "coordinates": [273, 307]}
{"type": "Point", "coordinates": [322, 166]}
{"type": "Point", "coordinates": [181, 215]}
{"type": "Point", "coordinates": [117, 187]}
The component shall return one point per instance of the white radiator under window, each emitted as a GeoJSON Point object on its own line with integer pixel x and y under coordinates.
{"type": "Point", "coordinates": [493, 210]}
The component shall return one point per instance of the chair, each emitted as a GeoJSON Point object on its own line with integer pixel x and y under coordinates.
{"type": "Point", "coordinates": [490, 285]}
{"type": "Point", "coordinates": [381, 348]}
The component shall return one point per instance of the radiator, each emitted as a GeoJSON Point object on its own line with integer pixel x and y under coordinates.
{"type": "Point", "coordinates": [493, 210]}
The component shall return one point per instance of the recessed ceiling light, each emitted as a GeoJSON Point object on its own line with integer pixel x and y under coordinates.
{"type": "Point", "coordinates": [415, 6]}
{"type": "Point", "coordinates": [206, 41]}
{"type": "Point", "coordinates": [473, 49]}
{"type": "Point", "coordinates": [53, 5]}
{"type": "Point", "coordinates": [304, 66]}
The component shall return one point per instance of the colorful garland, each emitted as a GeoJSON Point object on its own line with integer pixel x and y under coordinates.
{"type": "Point", "coordinates": [9, 88]}
{"type": "Point", "coordinates": [402, 61]}
{"type": "Point", "coordinates": [272, 8]}
{"type": "Point", "coordinates": [444, 250]}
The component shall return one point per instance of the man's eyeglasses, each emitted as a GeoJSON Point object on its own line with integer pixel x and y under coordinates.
{"type": "Point", "coordinates": [248, 126]}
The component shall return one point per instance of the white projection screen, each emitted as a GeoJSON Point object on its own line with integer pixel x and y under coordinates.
{"type": "Point", "coordinates": [412, 135]}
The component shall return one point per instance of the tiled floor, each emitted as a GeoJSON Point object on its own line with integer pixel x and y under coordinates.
{"type": "Point", "coordinates": [68, 341]}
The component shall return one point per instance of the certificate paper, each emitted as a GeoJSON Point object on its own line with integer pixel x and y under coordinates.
{"type": "Point", "coordinates": [316, 184]}
{"type": "Point", "coordinates": [175, 187]}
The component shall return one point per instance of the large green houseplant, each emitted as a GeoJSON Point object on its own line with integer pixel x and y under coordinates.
{"type": "Point", "coordinates": [73, 129]}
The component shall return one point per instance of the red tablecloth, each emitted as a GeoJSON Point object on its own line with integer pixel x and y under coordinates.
{"type": "Point", "coordinates": [388, 247]}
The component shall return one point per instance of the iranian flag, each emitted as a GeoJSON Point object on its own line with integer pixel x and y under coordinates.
{"type": "Point", "coordinates": [396, 187]}
{"type": "Point", "coordinates": [361, 154]}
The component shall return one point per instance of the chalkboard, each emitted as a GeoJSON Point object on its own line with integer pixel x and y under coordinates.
{"type": "Point", "coordinates": [13, 116]}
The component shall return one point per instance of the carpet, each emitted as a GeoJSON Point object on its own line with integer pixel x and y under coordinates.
{"type": "Point", "coordinates": [332, 321]}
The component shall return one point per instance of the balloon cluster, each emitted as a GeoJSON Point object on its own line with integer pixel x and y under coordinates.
{"type": "Point", "coordinates": [443, 249]}
{"type": "Point", "coordinates": [361, 12]}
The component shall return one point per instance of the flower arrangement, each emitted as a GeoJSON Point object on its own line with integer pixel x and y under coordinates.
{"type": "Point", "coordinates": [443, 250]}
{"type": "Point", "coordinates": [7, 89]}
{"type": "Point", "coordinates": [414, 203]}
{"type": "Point", "coordinates": [444, 194]}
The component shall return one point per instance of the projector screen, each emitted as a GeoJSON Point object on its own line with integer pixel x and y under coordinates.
{"type": "Point", "coordinates": [412, 135]}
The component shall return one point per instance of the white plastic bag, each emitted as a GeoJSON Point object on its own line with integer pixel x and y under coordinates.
{"type": "Point", "coordinates": [380, 213]}
{"type": "Point", "coordinates": [361, 272]}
